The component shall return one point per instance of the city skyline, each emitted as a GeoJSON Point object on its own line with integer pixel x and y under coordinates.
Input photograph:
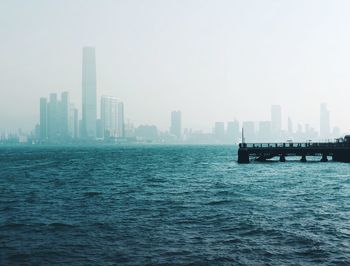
{"type": "Point", "coordinates": [59, 120]}
{"type": "Point", "coordinates": [179, 56]}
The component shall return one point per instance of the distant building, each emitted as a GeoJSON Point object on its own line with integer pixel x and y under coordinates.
{"type": "Point", "coordinates": [175, 127]}
{"type": "Point", "coordinates": [64, 108]}
{"type": "Point", "coordinates": [276, 121]}
{"type": "Point", "coordinates": [43, 119]}
{"type": "Point", "coordinates": [249, 131]}
{"type": "Point", "coordinates": [53, 117]}
{"type": "Point", "coordinates": [219, 131]}
{"type": "Point", "coordinates": [89, 93]}
{"type": "Point", "coordinates": [73, 122]}
{"type": "Point", "coordinates": [147, 133]}
{"type": "Point", "coordinates": [120, 121]}
{"type": "Point", "coordinates": [109, 116]}
{"type": "Point", "coordinates": [112, 117]}
{"type": "Point", "coordinates": [58, 119]}
{"type": "Point", "coordinates": [265, 131]}
{"type": "Point", "coordinates": [233, 132]}
{"type": "Point", "coordinates": [324, 122]}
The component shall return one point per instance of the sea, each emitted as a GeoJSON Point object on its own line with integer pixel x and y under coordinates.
{"type": "Point", "coordinates": [169, 205]}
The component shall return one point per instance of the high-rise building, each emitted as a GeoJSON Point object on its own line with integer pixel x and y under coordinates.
{"type": "Point", "coordinates": [109, 116]}
{"type": "Point", "coordinates": [219, 131]}
{"type": "Point", "coordinates": [276, 121]}
{"type": "Point", "coordinates": [175, 128]}
{"type": "Point", "coordinates": [58, 119]}
{"type": "Point", "coordinates": [52, 117]}
{"type": "Point", "coordinates": [324, 121]}
{"type": "Point", "coordinates": [89, 93]}
{"type": "Point", "coordinates": [249, 131]}
{"type": "Point", "coordinates": [265, 131]}
{"type": "Point", "coordinates": [64, 107]}
{"type": "Point", "coordinates": [43, 119]}
{"type": "Point", "coordinates": [73, 122]}
{"type": "Point", "coordinates": [233, 133]}
{"type": "Point", "coordinates": [120, 121]}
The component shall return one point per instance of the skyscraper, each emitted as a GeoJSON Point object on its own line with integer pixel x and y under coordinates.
{"type": "Point", "coordinates": [233, 131]}
{"type": "Point", "coordinates": [219, 131]}
{"type": "Point", "coordinates": [73, 122]}
{"type": "Point", "coordinates": [249, 131]}
{"type": "Point", "coordinates": [109, 116]}
{"type": "Point", "coordinates": [175, 128]}
{"type": "Point", "coordinates": [120, 121]}
{"type": "Point", "coordinates": [276, 121]}
{"type": "Point", "coordinates": [324, 121]}
{"type": "Point", "coordinates": [43, 119]}
{"type": "Point", "coordinates": [64, 108]}
{"type": "Point", "coordinates": [264, 131]}
{"type": "Point", "coordinates": [52, 117]}
{"type": "Point", "coordinates": [89, 93]}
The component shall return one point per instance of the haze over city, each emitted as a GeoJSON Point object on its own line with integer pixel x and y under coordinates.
{"type": "Point", "coordinates": [213, 61]}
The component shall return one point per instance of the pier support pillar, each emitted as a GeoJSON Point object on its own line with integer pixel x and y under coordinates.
{"type": "Point", "coordinates": [303, 158]}
{"type": "Point", "coordinates": [282, 158]}
{"type": "Point", "coordinates": [243, 156]}
{"type": "Point", "coordinates": [324, 158]}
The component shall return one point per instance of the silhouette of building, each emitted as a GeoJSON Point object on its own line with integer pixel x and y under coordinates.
{"type": "Point", "coordinates": [120, 121]}
{"type": "Point", "coordinates": [175, 127]}
{"type": "Point", "coordinates": [276, 121]}
{"type": "Point", "coordinates": [58, 119]}
{"type": "Point", "coordinates": [324, 121]}
{"type": "Point", "coordinates": [233, 133]}
{"type": "Point", "coordinates": [219, 131]}
{"type": "Point", "coordinates": [264, 134]}
{"type": "Point", "coordinates": [147, 133]}
{"type": "Point", "coordinates": [249, 131]}
{"type": "Point", "coordinates": [109, 116]}
{"type": "Point", "coordinates": [52, 117]}
{"type": "Point", "coordinates": [63, 115]}
{"type": "Point", "coordinates": [43, 119]}
{"type": "Point", "coordinates": [89, 93]}
{"type": "Point", "coordinates": [73, 122]}
{"type": "Point", "coordinates": [112, 117]}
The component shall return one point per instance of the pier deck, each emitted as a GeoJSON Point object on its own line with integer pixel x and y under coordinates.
{"type": "Point", "coordinates": [338, 151]}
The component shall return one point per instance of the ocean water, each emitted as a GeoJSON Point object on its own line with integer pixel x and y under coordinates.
{"type": "Point", "coordinates": [149, 205]}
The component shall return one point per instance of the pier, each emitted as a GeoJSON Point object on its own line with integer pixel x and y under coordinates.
{"type": "Point", "coordinates": [339, 150]}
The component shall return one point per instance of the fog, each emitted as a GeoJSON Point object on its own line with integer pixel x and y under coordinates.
{"type": "Point", "coordinates": [213, 60]}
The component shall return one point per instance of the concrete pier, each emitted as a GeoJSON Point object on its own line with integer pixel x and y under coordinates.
{"type": "Point", "coordinates": [339, 150]}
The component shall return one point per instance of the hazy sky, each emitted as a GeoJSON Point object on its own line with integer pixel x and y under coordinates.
{"type": "Point", "coordinates": [213, 60]}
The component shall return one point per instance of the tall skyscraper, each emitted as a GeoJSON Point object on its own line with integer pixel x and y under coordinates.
{"type": "Point", "coordinates": [73, 122]}
{"type": "Point", "coordinates": [120, 124]}
{"type": "Point", "coordinates": [89, 93]}
{"type": "Point", "coordinates": [175, 128]}
{"type": "Point", "coordinates": [109, 116]}
{"type": "Point", "coordinates": [276, 121]}
{"type": "Point", "coordinates": [64, 108]}
{"type": "Point", "coordinates": [324, 121]}
{"type": "Point", "coordinates": [43, 119]}
{"type": "Point", "coordinates": [52, 117]}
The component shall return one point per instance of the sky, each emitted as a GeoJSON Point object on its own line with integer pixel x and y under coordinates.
{"type": "Point", "coordinates": [213, 60]}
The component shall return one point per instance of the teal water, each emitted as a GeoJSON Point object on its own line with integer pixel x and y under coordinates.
{"type": "Point", "coordinates": [169, 205]}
